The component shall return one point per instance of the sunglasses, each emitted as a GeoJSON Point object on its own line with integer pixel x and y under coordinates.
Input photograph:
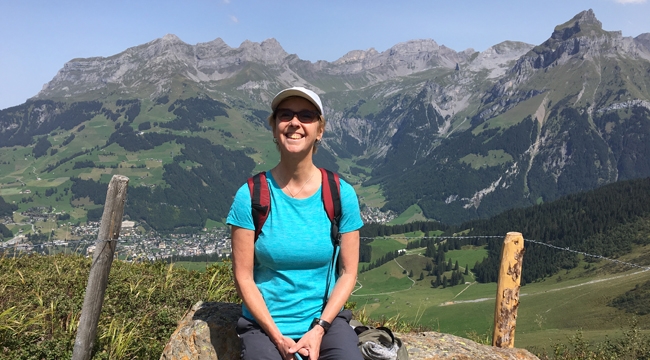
{"type": "Point", "coordinates": [304, 116]}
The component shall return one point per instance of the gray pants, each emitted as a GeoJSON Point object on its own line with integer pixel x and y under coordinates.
{"type": "Point", "coordinates": [339, 343]}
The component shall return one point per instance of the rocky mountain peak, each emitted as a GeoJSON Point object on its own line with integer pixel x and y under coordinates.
{"type": "Point", "coordinates": [587, 17]}
{"type": "Point", "coordinates": [644, 40]}
{"type": "Point", "coordinates": [171, 38]}
{"type": "Point", "coordinates": [584, 23]}
{"type": "Point", "coordinates": [268, 52]}
{"type": "Point", "coordinates": [415, 47]}
{"type": "Point", "coordinates": [498, 59]}
{"type": "Point", "coordinates": [218, 42]}
{"type": "Point", "coordinates": [356, 55]}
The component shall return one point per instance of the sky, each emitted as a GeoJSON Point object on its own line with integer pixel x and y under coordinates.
{"type": "Point", "coordinates": [37, 37]}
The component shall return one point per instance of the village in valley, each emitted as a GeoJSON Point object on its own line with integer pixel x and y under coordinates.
{"type": "Point", "coordinates": [50, 235]}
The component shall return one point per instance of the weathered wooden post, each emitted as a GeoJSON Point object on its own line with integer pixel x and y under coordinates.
{"type": "Point", "coordinates": [109, 231]}
{"type": "Point", "coordinates": [507, 302]}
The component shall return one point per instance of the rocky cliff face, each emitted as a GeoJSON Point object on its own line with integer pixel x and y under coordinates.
{"type": "Point", "coordinates": [159, 61]}
{"type": "Point", "coordinates": [154, 64]}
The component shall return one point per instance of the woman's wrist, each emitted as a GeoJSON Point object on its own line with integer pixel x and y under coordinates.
{"type": "Point", "coordinates": [320, 323]}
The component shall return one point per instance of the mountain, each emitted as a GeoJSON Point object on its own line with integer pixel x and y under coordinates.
{"type": "Point", "coordinates": [462, 135]}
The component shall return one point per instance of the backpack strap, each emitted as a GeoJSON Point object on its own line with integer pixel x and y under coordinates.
{"type": "Point", "coordinates": [331, 194]}
{"type": "Point", "coordinates": [260, 201]}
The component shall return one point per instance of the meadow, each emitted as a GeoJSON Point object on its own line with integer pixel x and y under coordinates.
{"type": "Point", "coordinates": [551, 310]}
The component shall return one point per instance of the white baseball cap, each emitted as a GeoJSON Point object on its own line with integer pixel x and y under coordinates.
{"type": "Point", "coordinates": [300, 92]}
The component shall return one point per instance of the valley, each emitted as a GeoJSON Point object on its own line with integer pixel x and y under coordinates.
{"type": "Point", "coordinates": [551, 310]}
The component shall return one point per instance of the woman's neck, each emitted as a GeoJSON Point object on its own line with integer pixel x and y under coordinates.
{"type": "Point", "coordinates": [297, 179]}
{"type": "Point", "coordinates": [295, 171]}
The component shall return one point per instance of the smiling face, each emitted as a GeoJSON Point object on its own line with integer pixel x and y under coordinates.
{"type": "Point", "coordinates": [294, 136]}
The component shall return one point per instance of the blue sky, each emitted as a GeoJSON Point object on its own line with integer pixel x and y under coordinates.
{"type": "Point", "coordinates": [37, 37]}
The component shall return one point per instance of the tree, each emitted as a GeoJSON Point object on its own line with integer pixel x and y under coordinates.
{"type": "Point", "coordinates": [421, 276]}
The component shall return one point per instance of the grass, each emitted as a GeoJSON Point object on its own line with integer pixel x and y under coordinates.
{"type": "Point", "coordinates": [370, 195]}
{"type": "Point", "coordinates": [494, 158]}
{"type": "Point", "coordinates": [550, 311]}
{"type": "Point", "coordinates": [381, 246]}
{"type": "Point", "coordinates": [41, 299]}
{"type": "Point", "coordinates": [468, 256]}
{"type": "Point", "coordinates": [411, 214]}
{"type": "Point", "coordinates": [199, 266]}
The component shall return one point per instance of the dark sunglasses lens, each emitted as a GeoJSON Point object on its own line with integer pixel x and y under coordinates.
{"type": "Point", "coordinates": [285, 115]}
{"type": "Point", "coordinates": [304, 116]}
{"type": "Point", "coordinates": [307, 116]}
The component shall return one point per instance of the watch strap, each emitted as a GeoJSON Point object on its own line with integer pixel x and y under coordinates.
{"type": "Point", "coordinates": [324, 324]}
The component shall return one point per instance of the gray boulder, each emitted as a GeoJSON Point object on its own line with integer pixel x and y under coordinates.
{"type": "Point", "coordinates": [207, 332]}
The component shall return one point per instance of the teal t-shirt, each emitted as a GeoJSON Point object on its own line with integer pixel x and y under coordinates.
{"type": "Point", "coordinates": [293, 254]}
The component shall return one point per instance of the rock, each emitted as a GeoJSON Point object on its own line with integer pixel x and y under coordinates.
{"type": "Point", "coordinates": [207, 332]}
{"type": "Point", "coordinates": [434, 345]}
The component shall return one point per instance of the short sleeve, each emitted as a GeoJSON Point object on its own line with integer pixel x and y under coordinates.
{"type": "Point", "coordinates": [351, 217]}
{"type": "Point", "coordinates": [240, 212]}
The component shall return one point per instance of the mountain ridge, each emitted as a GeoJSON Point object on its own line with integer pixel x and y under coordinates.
{"type": "Point", "coordinates": [459, 134]}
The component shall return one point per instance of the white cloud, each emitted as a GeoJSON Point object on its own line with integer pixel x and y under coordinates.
{"type": "Point", "coordinates": [234, 19]}
{"type": "Point", "coordinates": [226, 1]}
{"type": "Point", "coordinates": [631, 1]}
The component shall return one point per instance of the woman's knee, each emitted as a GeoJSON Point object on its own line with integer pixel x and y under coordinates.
{"type": "Point", "coordinates": [340, 341]}
{"type": "Point", "coordinates": [255, 344]}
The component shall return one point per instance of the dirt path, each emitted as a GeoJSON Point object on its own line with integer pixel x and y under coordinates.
{"type": "Point", "coordinates": [452, 302]}
{"type": "Point", "coordinates": [447, 303]}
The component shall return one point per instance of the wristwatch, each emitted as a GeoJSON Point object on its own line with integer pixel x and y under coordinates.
{"type": "Point", "coordinates": [324, 324]}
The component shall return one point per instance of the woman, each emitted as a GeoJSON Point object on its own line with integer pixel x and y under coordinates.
{"type": "Point", "coordinates": [282, 276]}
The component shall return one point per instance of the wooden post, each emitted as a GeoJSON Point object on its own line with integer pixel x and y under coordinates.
{"type": "Point", "coordinates": [109, 231]}
{"type": "Point", "coordinates": [507, 302]}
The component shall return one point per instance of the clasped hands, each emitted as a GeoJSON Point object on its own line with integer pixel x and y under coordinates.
{"type": "Point", "coordinates": [308, 346]}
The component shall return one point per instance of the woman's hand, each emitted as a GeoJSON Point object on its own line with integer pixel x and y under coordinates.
{"type": "Point", "coordinates": [286, 348]}
{"type": "Point", "coordinates": [309, 345]}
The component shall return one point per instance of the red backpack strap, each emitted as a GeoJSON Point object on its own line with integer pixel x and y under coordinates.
{"type": "Point", "coordinates": [260, 201]}
{"type": "Point", "coordinates": [331, 195]}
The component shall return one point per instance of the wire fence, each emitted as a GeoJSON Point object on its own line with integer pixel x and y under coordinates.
{"type": "Point", "coordinates": [439, 239]}
{"type": "Point", "coordinates": [78, 245]}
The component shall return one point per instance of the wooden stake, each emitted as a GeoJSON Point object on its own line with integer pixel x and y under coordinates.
{"type": "Point", "coordinates": [109, 232]}
{"type": "Point", "coordinates": [507, 302]}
